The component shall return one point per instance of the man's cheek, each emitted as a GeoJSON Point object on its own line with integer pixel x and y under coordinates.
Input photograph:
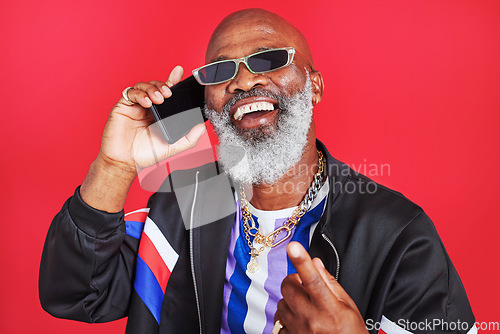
{"type": "Point", "coordinates": [290, 80]}
{"type": "Point", "coordinates": [214, 98]}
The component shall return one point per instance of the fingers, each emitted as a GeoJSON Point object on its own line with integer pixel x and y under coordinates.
{"type": "Point", "coordinates": [313, 301]}
{"type": "Point", "coordinates": [332, 283]}
{"type": "Point", "coordinates": [147, 93]}
{"type": "Point", "coordinates": [283, 314]}
{"type": "Point", "coordinates": [312, 280]}
{"type": "Point", "coordinates": [136, 97]}
{"type": "Point", "coordinates": [293, 291]}
{"type": "Point", "coordinates": [162, 88]}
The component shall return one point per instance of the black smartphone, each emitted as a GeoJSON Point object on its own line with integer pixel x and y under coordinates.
{"type": "Point", "coordinates": [181, 111]}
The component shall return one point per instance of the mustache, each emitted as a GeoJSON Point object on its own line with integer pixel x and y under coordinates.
{"type": "Point", "coordinates": [256, 91]}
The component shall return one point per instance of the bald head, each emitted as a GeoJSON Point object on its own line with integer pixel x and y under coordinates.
{"type": "Point", "coordinates": [253, 27]}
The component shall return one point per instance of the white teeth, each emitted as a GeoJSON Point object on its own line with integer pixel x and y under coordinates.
{"type": "Point", "coordinates": [248, 108]}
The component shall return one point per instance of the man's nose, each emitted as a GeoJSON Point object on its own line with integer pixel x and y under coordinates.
{"type": "Point", "coordinates": [246, 80]}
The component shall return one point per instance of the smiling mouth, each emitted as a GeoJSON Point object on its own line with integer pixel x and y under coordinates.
{"type": "Point", "coordinates": [255, 107]}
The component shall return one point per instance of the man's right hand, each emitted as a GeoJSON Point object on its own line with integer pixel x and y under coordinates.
{"type": "Point", "coordinates": [128, 145]}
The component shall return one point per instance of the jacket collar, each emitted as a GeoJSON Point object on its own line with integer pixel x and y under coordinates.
{"type": "Point", "coordinates": [338, 172]}
{"type": "Point", "coordinates": [211, 242]}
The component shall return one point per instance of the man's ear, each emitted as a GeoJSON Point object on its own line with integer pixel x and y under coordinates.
{"type": "Point", "coordinates": [318, 86]}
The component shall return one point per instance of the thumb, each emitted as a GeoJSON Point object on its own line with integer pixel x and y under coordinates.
{"type": "Point", "coordinates": [327, 277]}
{"type": "Point", "coordinates": [188, 141]}
{"type": "Point", "coordinates": [175, 76]}
{"type": "Point", "coordinates": [332, 283]}
{"type": "Point", "coordinates": [151, 148]}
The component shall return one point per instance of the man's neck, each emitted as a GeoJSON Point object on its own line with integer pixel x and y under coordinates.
{"type": "Point", "coordinates": [290, 190]}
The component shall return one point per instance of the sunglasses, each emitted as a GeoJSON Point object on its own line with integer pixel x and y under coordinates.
{"type": "Point", "coordinates": [260, 62]}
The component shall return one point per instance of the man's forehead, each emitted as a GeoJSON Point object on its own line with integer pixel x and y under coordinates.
{"type": "Point", "coordinates": [247, 30]}
{"type": "Point", "coordinates": [239, 40]}
{"type": "Point", "coordinates": [241, 44]}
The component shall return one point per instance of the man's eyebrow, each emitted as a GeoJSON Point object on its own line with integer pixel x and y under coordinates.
{"type": "Point", "coordinates": [219, 59]}
{"type": "Point", "coordinates": [262, 48]}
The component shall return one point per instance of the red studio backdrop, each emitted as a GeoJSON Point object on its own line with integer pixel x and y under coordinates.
{"type": "Point", "coordinates": [412, 99]}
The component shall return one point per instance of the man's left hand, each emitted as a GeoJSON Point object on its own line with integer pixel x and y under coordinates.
{"type": "Point", "coordinates": [313, 301]}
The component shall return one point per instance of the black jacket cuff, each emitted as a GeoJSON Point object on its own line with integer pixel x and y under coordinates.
{"type": "Point", "coordinates": [93, 222]}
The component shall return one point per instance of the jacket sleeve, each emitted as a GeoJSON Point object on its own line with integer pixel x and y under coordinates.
{"type": "Point", "coordinates": [426, 294]}
{"type": "Point", "coordinates": [87, 264]}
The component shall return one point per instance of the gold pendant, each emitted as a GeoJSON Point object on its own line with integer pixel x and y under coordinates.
{"type": "Point", "coordinates": [252, 266]}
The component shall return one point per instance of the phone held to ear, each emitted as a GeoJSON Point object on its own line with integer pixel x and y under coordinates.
{"type": "Point", "coordinates": [181, 111]}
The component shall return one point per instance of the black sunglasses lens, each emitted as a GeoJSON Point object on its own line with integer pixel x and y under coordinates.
{"type": "Point", "coordinates": [268, 61]}
{"type": "Point", "coordinates": [217, 72]}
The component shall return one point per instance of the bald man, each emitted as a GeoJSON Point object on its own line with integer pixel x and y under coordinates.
{"type": "Point", "coordinates": [378, 263]}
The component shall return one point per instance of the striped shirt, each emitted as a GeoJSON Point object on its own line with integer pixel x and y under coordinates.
{"type": "Point", "coordinates": [250, 299]}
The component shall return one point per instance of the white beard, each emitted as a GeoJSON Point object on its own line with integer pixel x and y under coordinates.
{"type": "Point", "coordinates": [264, 155]}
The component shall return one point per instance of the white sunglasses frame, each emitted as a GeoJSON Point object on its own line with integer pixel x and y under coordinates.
{"type": "Point", "coordinates": [291, 53]}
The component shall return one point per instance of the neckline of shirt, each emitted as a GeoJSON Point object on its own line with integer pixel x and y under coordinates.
{"type": "Point", "coordinates": [271, 215]}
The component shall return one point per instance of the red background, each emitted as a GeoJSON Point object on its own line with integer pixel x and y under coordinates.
{"type": "Point", "coordinates": [413, 84]}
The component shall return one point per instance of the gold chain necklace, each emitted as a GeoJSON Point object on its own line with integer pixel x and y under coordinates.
{"type": "Point", "coordinates": [287, 227]}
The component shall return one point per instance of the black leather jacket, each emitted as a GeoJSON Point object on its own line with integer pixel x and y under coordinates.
{"type": "Point", "coordinates": [382, 248]}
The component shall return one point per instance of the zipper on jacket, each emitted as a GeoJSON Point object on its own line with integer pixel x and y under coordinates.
{"type": "Point", "coordinates": [191, 224]}
{"type": "Point", "coordinates": [336, 255]}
